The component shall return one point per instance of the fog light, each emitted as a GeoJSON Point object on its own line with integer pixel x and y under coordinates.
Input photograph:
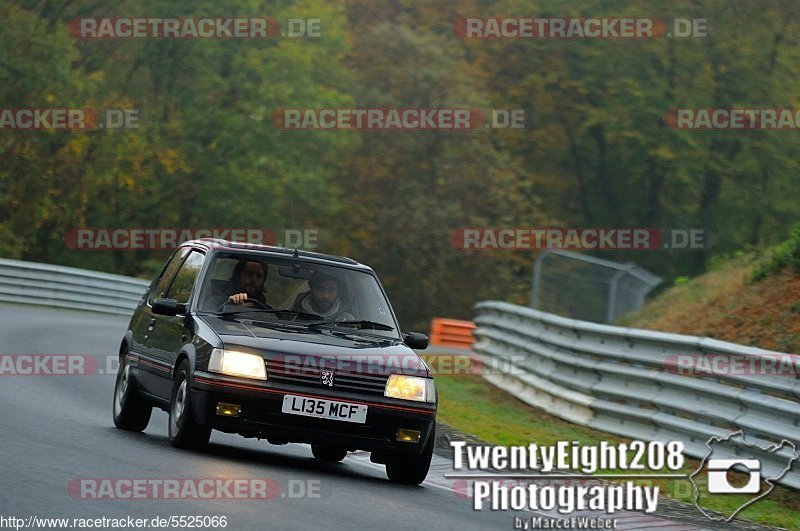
{"type": "Point", "coordinates": [228, 410]}
{"type": "Point", "coordinates": [409, 436]}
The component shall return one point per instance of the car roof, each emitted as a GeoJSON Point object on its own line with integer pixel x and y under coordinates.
{"type": "Point", "coordinates": [219, 244]}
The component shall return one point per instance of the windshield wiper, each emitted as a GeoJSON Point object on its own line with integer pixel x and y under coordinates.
{"type": "Point", "coordinates": [359, 324]}
{"type": "Point", "coordinates": [354, 335]}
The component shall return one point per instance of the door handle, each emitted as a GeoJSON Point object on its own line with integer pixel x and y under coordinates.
{"type": "Point", "coordinates": [152, 324]}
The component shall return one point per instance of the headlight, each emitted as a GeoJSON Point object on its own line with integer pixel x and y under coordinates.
{"type": "Point", "coordinates": [237, 363]}
{"type": "Point", "coordinates": [410, 388]}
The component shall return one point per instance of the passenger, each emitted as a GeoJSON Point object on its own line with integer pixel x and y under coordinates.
{"type": "Point", "coordinates": [322, 299]}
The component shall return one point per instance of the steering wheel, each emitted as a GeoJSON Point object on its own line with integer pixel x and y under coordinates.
{"type": "Point", "coordinates": [254, 301]}
{"type": "Point", "coordinates": [258, 302]}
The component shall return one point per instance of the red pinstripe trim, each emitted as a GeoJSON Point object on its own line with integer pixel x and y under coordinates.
{"type": "Point", "coordinates": [277, 392]}
{"type": "Point", "coordinates": [155, 365]}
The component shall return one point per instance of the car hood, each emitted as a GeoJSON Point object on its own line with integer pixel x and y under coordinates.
{"type": "Point", "coordinates": [319, 348]}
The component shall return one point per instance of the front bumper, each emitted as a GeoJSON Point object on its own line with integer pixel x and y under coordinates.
{"type": "Point", "coordinates": [261, 415]}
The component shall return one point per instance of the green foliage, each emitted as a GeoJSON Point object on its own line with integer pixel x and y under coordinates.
{"type": "Point", "coordinates": [10, 246]}
{"type": "Point", "coordinates": [205, 153]}
{"type": "Point", "coordinates": [596, 152]}
{"type": "Point", "coordinates": [783, 255]}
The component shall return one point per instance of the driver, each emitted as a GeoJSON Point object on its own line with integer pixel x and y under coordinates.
{"type": "Point", "coordinates": [248, 278]}
{"type": "Point", "coordinates": [322, 298]}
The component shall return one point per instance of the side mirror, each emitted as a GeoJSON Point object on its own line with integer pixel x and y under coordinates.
{"type": "Point", "coordinates": [168, 307]}
{"type": "Point", "coordinates": [416, 340]}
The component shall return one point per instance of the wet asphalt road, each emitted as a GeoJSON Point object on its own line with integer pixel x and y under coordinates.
{"type": "Point", "coordinates": [57, 430]}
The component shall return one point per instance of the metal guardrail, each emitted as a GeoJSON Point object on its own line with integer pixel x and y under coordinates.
{"type": "Point", "coordinates": [618, 380]}
{"type": "Point", "coordinates": [69, 287]}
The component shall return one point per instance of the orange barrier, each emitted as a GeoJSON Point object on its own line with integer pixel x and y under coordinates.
{"type": "Point", "coordinates": [451, 333]}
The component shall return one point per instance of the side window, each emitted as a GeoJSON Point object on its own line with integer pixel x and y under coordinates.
{"type": "Point", "coordinates": [182, 286]}
{"type": "Point", "coordinates": [168, 274]}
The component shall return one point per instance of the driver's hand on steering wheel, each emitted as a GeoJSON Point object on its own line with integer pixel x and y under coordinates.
{"type": "Point", "coordinates": [238, 298]}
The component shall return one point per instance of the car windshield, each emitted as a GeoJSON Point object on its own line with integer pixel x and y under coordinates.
{"type": "Point", "coordinates": [293, 290]}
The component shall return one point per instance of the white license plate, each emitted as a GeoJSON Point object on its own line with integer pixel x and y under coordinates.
{"type": "Point", "coordinates": [324, 409]}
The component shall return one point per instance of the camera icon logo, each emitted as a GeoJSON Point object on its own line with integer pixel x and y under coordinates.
{"type": "Point", "coordinates": [718, 476]}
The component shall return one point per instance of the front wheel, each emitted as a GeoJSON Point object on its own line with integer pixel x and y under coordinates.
{"type": "Point", "coordinates": [131, 412]}
{"type": "Point", "coordinates": [411, 469]}
{"type": "Point", "coordinates": [184, 432]}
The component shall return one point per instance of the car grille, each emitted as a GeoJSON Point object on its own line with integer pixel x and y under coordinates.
{"type": "Point", "coordinates": [310, 376]}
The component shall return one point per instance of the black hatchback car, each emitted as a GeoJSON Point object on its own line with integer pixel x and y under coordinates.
{"type": "Point", "coordinates": [274, 343]}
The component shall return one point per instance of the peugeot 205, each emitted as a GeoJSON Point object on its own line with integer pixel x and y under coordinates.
{"type": "Point", "coordinates": [280, 344]}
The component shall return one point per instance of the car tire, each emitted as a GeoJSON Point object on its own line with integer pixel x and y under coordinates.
{"type": "Point", "coordinates": [332, 454]}
{"type": "Point", "coordinates": [411, 469]}
{"type": "Point", "coordinates": [184, 431]}
{"type": "Point", "coordinates": [131, 411]}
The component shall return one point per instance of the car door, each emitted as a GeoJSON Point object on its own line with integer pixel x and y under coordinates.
{"type": "Point", "coordinates": [169, 333]}
{"type": "Point", "coordinates": [144, 362]}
